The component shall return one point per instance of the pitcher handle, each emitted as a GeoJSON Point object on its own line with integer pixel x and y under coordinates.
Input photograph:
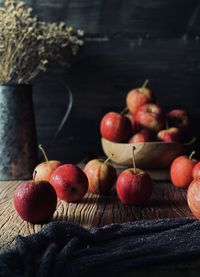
{"type": "Point", "coordinates": [67, 111]}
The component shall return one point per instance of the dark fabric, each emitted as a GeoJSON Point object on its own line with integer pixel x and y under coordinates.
{"type": "Point", "coordinates": [64, 249]}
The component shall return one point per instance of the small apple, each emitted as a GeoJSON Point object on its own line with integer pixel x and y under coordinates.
{"type": "Point", "coordinates": [142, 136]}
{"type": "Point", "coordinates": [138, 97]}
{"type": "Point", "coordinates": [172, 134]}
{"type": "Point", "coordinates": [133, 123]}
{"type": "Point", "coordinates": [151, 117]}
{"type": "Point", "coordinates": [193, 197]}
{"type": "Point", "coordinates": [181, 170]}
{"type": "Point", "coordinates": [69, 182]}
{"type": "Point", "coordinates": [179, 118]}
{"type": "Point", "coordinates": [134, 186]}
{"type": "Point", "coordinates": [196, 171]}
{"type": "Point", "coordinates": [101, 175]}
{"type": "Point", "coordinates": [115, 127]}
{"type": "Point", "coordinates": [35, 202]}
{"type": "Point", "coordinates": [43, 171]}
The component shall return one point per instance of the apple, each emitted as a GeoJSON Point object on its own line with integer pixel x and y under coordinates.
{"type": "Point", "coordinates": [196, 171]}
{"type": "Point", "coordinates": [179, 118]}
{"type": "Point", "coordinates": [134, 186]}
{"type": "Point", "coordinates": [115, 127]}
{"type": "Point", "coordinates": [131, 117]}
{"type": "Point", "coordinates": [43, 171]}
{"type": "Point", "coordinates": [141, 136]}
{"type": "Point", "coordinates": [151, 117]}
{"type": "Point", "coordinates": [101, 175]}
{"type": "Point", "coordinates": [138, 97]}
{"type": "Point", "coordinates": [181, 170]}
{"type": "Point", "coordinates": [35, 202]}
{"type": "Point", "coordinates": [69, 182]}
{"type": "Point", "coordinates": [193, 197]}
{"type": "Point", "coordinates": [172, 134]}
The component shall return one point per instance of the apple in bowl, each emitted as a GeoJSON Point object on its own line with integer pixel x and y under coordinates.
{"type": "Point", "coordinates": [151, 117]}
{"type": "Point", "coordinates": [138, 97]}
{"type": "Point", "coordinates": [115, 127]}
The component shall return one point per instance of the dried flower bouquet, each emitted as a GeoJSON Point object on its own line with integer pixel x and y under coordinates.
{"type": "Point", "coordinates": [27, 45]}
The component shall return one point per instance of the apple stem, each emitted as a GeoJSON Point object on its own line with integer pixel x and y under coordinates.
{"type": "Point", "coordinates": [124, 111]}
{"type": "Point", "coordinates": [43, 152]}
{"type": "Point", "coordinates": [108, 159]}
{"type": "Point", "coordinates": [191, 155]}
{"type": "Point", "coordinates": [133, 157]}
{"type": "Point", "coordinates": [34, 174]}
{"type": "Point", "coordinates": [145, 83]}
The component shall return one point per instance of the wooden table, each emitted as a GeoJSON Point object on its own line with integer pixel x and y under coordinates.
{"type": "Point", "coordinates": [93, 210]}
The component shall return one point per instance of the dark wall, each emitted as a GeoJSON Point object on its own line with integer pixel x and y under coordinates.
{"type": "Point", "coordinates": [126, 42]}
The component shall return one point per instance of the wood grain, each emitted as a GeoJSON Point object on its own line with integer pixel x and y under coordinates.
{"type": "Point", "coordinates": [93, 210]}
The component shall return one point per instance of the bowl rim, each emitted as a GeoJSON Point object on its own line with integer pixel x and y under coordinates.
{"type": "Point", "coordinates": [193, 140]}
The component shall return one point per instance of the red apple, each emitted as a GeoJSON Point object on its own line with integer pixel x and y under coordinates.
{"type": "Point", "coordinates": [181, 171]}
{"type": "Point", "coordinates": [134, 186]}
{"type": "Point", "coordinates": [101, 176]}
{"type": "Point", "coordinates": [179, 118]}
{"type": "Point", "coordinates": [141, 136]}
{"type": "Point", "coordinates": [115, 127]}
{"type": "Point", "coordinates": [172, 134]}
{"type": "Point", "coordinates": [35, 202]}
{"type": "Point", "coordinates": [133, 123]}
{"type": "Point", "coordinates": [43, 171]}
{"type": "Point", "coordinates": [70, 182]}
{"type": "Point", "coordinates": [196, 171]}
{"type": "Point", "coordinates": [193, 197]}
{"type": "Point", "coordinates": [151, 117]}
{"type": "Point", "coordinates": [138, 97]}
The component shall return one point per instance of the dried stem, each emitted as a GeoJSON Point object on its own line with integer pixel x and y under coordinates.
{"type": "Point", "coordinates": [27, 45]}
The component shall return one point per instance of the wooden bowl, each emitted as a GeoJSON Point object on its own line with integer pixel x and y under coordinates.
{"type": "Point", "coordinates": [149, 155]}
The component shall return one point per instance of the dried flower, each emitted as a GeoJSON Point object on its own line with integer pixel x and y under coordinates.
{"type": "Point", "coordinates": [28, 45]}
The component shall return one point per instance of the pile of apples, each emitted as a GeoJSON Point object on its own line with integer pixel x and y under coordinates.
{"type": "Point", "coordinates": [36, 200]}
{"type": "Point", "coordinates": [144, 120]}
{"type": "Point", "coordinates": [185, 174]}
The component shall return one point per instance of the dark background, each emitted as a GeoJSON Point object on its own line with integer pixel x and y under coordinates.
{"type": "Point", "coordinates": [126, 42]}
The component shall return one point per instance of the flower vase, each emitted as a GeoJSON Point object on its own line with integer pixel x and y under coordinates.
{"type": "Point", "coordinates": [18, 147]}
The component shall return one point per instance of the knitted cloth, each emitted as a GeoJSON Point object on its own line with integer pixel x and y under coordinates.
{"type": "Point", "coordinates": [64, 249]}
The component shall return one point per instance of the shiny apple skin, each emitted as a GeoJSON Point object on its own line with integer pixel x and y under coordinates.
{"type": "Point", "coordinates": [151, 117]}
{"type": "Point", "coordinates": [115, 127]}
{"type": "Point", "coordinates": [181, 171]}
{"type": "Point", "coordinates": [35, 202]}
{"type": "Point", "coordinates": [101, 176]}
{"type": "Point", "coordinates": [142, 136]}
{"type": "Point", "coordinates": [134, 189]}
{"type": "Point", "coordinates": [43, 171]}
{"type": "Point", "coordinates": [193, 197]}
{"type": "Point", "coordinates": [69, 182]}
{"type": "Point", "coordinates": [196, 171]}
{"type": "Point", "coordinates": [172, 134]}
{"type": "Point", "coordinates": [137, 98]}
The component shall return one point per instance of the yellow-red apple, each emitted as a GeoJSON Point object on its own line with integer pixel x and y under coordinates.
{"type": "Point", "coordinates": [101, 176]}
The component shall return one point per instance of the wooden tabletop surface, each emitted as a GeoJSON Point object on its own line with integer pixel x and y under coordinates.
{"type": "Point", "coordinates": [93, 210]}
